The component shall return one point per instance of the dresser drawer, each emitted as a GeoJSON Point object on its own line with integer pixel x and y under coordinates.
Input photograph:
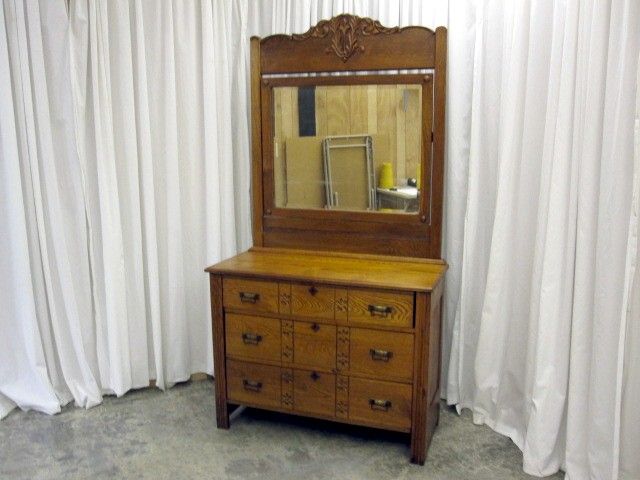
{"type": "Point", "coordinates": [380, 403]}
{"type": "Point", "coordinates": [256, 338]}
{"type": "Point", "coordinates": [381, 354]}
{"type": "Point", "coordinates": [312, 300]}
{"type": "Point", "coordinates": [250, 295]}
{"type": "Point", "coordinates": [392, 309]}
{"type": "Point", "coordinates": [314, 344]}
{"type": "Point", "coordinates": [253, 384]}
{"type": "Point", "coordinates": [314, 392]}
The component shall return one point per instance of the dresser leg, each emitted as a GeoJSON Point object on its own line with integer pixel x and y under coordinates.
{"type": "Point", "coordinates": [222, 416]}
{"type": "Point", "coordinates": [418, 447]}
{"type": "Point", "coordinates": [421, 355]}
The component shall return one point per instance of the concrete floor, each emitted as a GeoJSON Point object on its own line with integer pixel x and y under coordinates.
{"type": "Point", "coordinates": [172, 435]}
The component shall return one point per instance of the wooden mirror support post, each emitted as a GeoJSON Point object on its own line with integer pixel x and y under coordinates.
{"type": "Point", "coordinates": [337, 314]}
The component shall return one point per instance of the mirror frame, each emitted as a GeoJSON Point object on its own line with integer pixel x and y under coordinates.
{"type": "Point", "coordinates": [352, 44]}
{"type": "Point", "coordinates": [424, 80]}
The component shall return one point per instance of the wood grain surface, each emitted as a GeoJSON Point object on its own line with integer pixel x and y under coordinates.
{"type": "Point", "coordinates": [362, 392]}
{"type": "Point", "coordinates": [314, 392]}
{"type": "Point", "coordinates": [312, 300]}
{"type": "Point", "coordinates": [399, 346]}
{"type": "Point", "coordinates": [253, 383]}
{"type": "Point", "coordinates": [265, 292]}
{"type": "Point", "coordinates": [330, 268]}
{"type": "Point", "coordinates": [250, 337]}
{"type": "Point", "coordinates": [363, 305]}
{"type": "Point", "coordinates": [314, 345]}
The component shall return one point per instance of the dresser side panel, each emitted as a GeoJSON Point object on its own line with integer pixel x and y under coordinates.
{"type": "Point", "coordinates": [219, 354]}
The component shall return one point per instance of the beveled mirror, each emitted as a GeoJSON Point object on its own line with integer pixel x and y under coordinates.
{"type": "Point", "coordinates": [349, 147]}
{"type": "Point", "coordinates": [348, 138]}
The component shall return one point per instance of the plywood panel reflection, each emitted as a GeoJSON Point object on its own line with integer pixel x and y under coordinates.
{"type": "Point", "coordinates": [305, 175]}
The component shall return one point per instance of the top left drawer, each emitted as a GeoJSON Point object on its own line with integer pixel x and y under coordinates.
{"type": "Point", "coordinates": [250, 295]}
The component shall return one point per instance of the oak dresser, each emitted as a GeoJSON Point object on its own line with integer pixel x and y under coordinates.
{"type": "Point", "coordinates": [335, 313]}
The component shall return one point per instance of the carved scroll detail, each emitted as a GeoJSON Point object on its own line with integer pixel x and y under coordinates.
{"type": "Point", "coordinates": [287, 341]}
{"type": "Point", "coordinates": [346, 32]}
{"type": "Point", "coordinates": [342, 396]}
{"type": "Point", "coordinates": [342, 352]}
{"type": "Point", "coordinates": [287, 388]}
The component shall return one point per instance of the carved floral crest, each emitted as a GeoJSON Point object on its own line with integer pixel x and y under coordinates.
{"type": "Point", "coordinates": [346, 32]}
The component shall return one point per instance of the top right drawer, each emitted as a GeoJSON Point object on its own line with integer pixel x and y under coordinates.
{"type": "Point", "coordinates": [377, 307]}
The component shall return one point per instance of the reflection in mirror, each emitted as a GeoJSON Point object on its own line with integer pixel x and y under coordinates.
{"type": "Point", "coordinates": [348, 147]}
{"type": "Point", "coordinates": [348, 172]}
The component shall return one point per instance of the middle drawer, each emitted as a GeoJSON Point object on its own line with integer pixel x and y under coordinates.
{"type": "Point", "coordinates": [257, 338]}
{"type": "Point", "coordinates": [381, 354]}
{"type": "Point", "coordinates": [314, 345]}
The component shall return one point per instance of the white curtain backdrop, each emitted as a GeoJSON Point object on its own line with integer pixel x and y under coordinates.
{"type": "Point", "coordinates": [542, 236]}
{"type": "Point", "coordinates": [42, 286]}
{"type": "Point", "coordinates": [628, 388]}
{"type": "Point", "coordinates": [124, 170]}
{"type": "Point", "coordinates": [119, 131]}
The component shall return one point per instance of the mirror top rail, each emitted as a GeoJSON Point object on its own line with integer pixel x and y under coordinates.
{"type": "Point", "coordinates": [349, 43]}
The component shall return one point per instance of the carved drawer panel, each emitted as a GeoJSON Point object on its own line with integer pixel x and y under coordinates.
{"type": "Point", "coordinates": [342, 396]}
{"type": "Point", "coordinates": [287, 341]}
{"type": "Point", "coordinates": [250, 295]}
{"type": "Point", "coordinates": [342, 348]}
{"type": "Point", "coordinates": [373, 307]}
{"type": "Point", "coordinates": [314, 345]}
{"type": "Point", "coordinates": [250, 337]}
{"type": "Point", "coordinates": [312, 301]}
{"type": "Point", "coordinates": [314, 392]}
{"type": "Point", "coordinates": [287, 388]}
{"type": "Point", "coordinates": [253, 384]}
{"type": "Point", "coordinates": [381, 354]}
{"type": "Point", "coordinates": [379, 403]}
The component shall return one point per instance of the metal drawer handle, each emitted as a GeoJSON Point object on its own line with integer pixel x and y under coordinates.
{"type": "Point", "coordinates": [251, 385]}
{"type": "Point", "coordinates": [315, 327]}
{"type": "Point", "coordinates": [383, 405]}
{"type": "Point", "coordinates": [248, 297]}
{"type": "Point", "coordinates": [251, 338]}
{"type": "Point", "coordinates": [380, 310]}
{"type": "Point", "coordinates": [380, 355]}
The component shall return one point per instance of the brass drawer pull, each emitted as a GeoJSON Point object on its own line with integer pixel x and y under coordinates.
{"type": "Point", "coordinates": [251, 385]}
{"type": "Point", "coordinates": [251, 338]}
{"type": "Point", "coordinates": [380, 355]}
{"type": "Point", "coordinates": [380, 310]}
{"type": "Point", "coordinates": [248, 297]}
{"type": "Point", "coordinates": [383, 405]}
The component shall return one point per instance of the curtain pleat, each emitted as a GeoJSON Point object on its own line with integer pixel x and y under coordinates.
{"type": "Point", "coordinates": [23, 372]}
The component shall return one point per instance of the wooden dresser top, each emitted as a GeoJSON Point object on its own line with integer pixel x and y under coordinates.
{"type": "Point", "coordinates": [399, 273]}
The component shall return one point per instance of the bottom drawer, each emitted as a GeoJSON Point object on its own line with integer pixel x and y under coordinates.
{"type": "Point", "coordinates": [386, 404]}
{"type": "Point", "coordinates": [250, 383]}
